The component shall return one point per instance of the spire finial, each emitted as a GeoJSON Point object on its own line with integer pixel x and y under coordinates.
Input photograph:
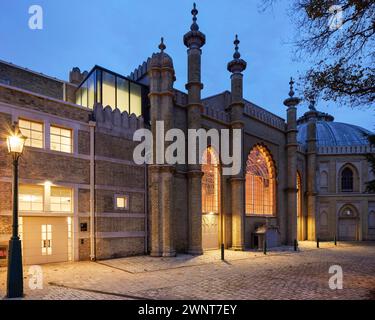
{"type": "Point", "coordinates": [162, 46]}
{"type": "Point", "coordinates": [194, 12]}
{"type": "Point", "coordinates": [292, 101]}
{"type": "Point", "coordinates": [312, 105]}
{"type": "Point", "coordinates": [236, 42]}
{"type": "Point", "coordinates": [291, 92]}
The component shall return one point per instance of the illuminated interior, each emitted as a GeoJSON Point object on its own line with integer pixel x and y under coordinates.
{"type": "Point", "coordinates": [260, 183]}
{"type": "Point", "coordinates": [111, 89]}
{"type": "Point", "coordinates": [299, 195]}
{"type": "Point", "coordinates": [299, 207]}
{"type": "Point", "coordinates": [32, 198]}
{"type": "Point", "coordinates": [210, 182]}
{"type": "Point", "coordinates": [33, 131]}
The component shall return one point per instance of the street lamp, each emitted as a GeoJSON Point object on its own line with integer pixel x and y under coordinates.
{"type": "Point", "coordinates": [15, 142]}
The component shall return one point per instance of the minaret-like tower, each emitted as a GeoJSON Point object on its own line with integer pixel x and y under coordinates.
{"type": "Point", "coordinates": [291, 147]}
{"type": "Point", "coordinates": [162, 77]}
{"type": "Point", "coordinates": [194, 40]}
{"type": "Point", "coordinates": [236, 109]}
{"type": "Point", "coordinates": [311, 172]}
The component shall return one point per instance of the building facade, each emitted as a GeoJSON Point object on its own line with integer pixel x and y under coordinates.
{"type": "Point", "coordinates": [83, 197]}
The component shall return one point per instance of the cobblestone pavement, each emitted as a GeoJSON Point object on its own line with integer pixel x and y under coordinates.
{"type": "Point", "coordinates": [282, 274]}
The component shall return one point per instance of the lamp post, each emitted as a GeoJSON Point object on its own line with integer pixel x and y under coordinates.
{"type": "Point", "coordinates": [15, 143]}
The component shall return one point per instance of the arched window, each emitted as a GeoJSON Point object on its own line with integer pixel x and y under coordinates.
{"type": "Point", "coordinates": [299, 194]}
{"type": "Point", "coordinates": [323, 220]}
{"type": "Point", "coordinates": [323, 179]}
{"type": "Point", "coordinates": [210, 182]}
{"type": "Point", "coordinates": [260, 183]}
{"type": "Point", "coordinates": [347, 180]}
{"type": "Point", "coordinates": [371, 220]}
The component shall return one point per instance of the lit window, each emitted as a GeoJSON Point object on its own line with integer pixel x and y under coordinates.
{"type": "Point", "coordinates": [135, 99]}
{"type": "Point", "coordinates": [61, 199]}
{"type": "Point", "coordinates": [122, 202]}
{"type": "Point", "coordinates": [260, 183]}
{"type": "Point", "coordinates": [33, 131]}
{"type": "Point", "coordinates": [210, 182]}
{"type": "Point", "coordinates": [299, 195]}
{"type": "Point", "coordinates": [61, 139]}
{"type": "Point", "coordinates": [46, 239]}
{"type": "Point", "coordinates": [31, 198]}
{"type": "Point", "coordinates": [122, 94]}
{"type": "Point", "coordinates": [109, 90]}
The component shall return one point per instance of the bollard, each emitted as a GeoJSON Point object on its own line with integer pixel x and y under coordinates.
{"type": "Point", "coordinates": [335, 240]}
{"type": "Point", "coordinates": [265, 246]}
{"type": "Point", "coordinates": [222, 252]}
{"type": "Point", "coordinates": [295, 245]}
{"type": "Point", "coordinates": [317, 243]}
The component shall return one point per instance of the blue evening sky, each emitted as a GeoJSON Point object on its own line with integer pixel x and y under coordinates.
{"type": "Point", "coordinates": [120, 34]}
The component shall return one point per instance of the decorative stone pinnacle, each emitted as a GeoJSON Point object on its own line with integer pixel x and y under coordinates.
{"type": "Point", "coordinates": [312, 105]}
{"type": "Point", "coordinates": [194, 12]}
{"type": "Point", "coordinates": [291, 92]}
{"type": "Point", "coordinates": [162, 46]}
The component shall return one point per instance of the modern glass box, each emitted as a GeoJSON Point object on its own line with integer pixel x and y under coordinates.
{"type": "Point", "coordinates": [111, 89]}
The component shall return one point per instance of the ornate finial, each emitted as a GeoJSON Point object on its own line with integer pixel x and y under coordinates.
{"type": "Point", "coordinates": [292, 101]}
{"type": "Point", "coordinates": [236, 42]}
{"type": "Point", "coordinates": [194, 12]}
{"type": "Point", "coordinates": [312, 105]}
{"type": "Point", "coordinates": [162, 46]}
{"type": "Point", "coordinates": [291, 92]}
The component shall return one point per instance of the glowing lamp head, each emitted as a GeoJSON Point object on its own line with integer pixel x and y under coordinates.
{"type": "Point", "coordinates": [16, 142]}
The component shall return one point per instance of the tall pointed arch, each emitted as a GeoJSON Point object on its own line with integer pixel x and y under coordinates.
{"type": "Point", "coordinates": [260, 182]}
{"type": "Point", "coordinates": [300, 217]}
{"type": "Point", "coordinates": [210, 182]}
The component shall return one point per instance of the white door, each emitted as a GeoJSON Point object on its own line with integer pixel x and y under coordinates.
{"type": "Point", "coordinates": [348, 230]}
{"type": "Point", "coordinates": [210, 231]}
{"type": "Point", "coordinates": [45, 240]}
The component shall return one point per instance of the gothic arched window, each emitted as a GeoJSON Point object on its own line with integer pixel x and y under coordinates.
{"type": "Point", "coordinates": [371, 220]}
{"type": "Point", "coordinates": [210, 182]}
{"type": "Point", "coordinates": [260, 183]}
{"type": "Point", "coordinates": [299, 194]}
{"type": "Point", "coordinates": [347, 180]}
{"type": "Point", "coordinates": [323, 179]}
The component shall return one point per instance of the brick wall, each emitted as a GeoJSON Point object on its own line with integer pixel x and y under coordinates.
{"type": "Point", "coordinates": [26, 100]}
{"type": "Point", "coordinates": [30, 81]}
{"type": "Point", "coordinates": [119, 247]}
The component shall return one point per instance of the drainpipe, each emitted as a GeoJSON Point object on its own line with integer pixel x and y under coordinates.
{"type": "Point", "coordinates": [92, 125]}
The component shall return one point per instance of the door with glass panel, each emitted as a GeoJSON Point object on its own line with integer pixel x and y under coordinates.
{"type": "Point", "coordinates": [45, 240]}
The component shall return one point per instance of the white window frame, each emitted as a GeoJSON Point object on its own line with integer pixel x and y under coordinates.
{"type": "Point", "coordinates": [127, 201]}
{"type": "Point", "coordinates": [30, 139]}
{"type": "Point", "coordinates": [71, 138]}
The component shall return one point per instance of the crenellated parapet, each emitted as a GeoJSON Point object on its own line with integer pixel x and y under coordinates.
{"type": "Point", "coordinates": [264, 116]}
{"type": "Point", "coordinates": [141, 71]}
{"type": "Point", "coordinates": [116, 123]}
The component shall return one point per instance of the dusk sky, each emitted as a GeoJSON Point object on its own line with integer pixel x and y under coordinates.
{"type": "Point", "coordinates": [121, 34]}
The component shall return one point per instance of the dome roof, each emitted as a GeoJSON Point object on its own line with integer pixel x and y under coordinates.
{"type": "Point", "coordinates": [330, 133]}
